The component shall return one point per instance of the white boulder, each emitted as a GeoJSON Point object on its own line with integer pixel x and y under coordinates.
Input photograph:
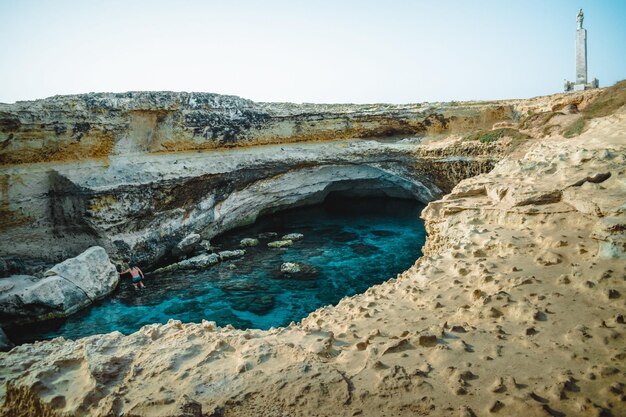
{"type": "Point", "coordinates": [65, 289]}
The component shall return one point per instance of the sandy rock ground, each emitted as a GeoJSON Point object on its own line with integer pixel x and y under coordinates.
{"type": "Point", "coordinates": [517, 308]}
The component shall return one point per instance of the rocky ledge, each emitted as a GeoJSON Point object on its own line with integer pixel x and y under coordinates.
{"type": "Point", "coordinates": [516, 308]}
{"type": "Point", "coordinates": [98, 125]}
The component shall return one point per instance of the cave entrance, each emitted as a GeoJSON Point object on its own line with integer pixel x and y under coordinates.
{"type": "Point", "coordinates": [339, 247]}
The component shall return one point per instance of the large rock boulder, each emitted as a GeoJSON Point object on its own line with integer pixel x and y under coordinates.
{"type": "Point", "coordinates": [66, 288]}
{"type": "Point", "coordinates": [91, 271]}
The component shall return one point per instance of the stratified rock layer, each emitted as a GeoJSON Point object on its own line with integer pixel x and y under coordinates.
{"type": "Point", "coordinates": [516, 308]}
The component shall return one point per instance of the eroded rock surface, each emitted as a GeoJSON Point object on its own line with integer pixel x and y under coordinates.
{"type": "Point", "coordinates": [486, 322]}
{"type": "Point", "coordinates": [65, 288]}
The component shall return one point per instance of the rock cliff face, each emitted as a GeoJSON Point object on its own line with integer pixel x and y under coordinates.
{"type": "Point", "coordinates": [88, 126]}
{"type": "Point", "coordinates": [516, 308]}
{"type": "Point", "coordinates": [136, 173]}
{"type": "Point", "coordinates": [144, 206]}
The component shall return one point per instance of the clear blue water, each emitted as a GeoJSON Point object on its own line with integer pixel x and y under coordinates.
{"type": "Point", "coordinates": [352, 244]}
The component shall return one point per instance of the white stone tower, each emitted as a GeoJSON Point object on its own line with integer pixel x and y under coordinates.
{"type": "Point", "coordinates": [581, 50]}
{"type": "Point", "coordinates": [581, 59]}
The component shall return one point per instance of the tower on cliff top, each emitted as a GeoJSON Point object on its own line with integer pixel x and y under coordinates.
{"type": "Point", "coordinates": [581, 59]}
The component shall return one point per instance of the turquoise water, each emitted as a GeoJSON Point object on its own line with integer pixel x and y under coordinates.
{"type": "Point", "coordinates": [350, 244]}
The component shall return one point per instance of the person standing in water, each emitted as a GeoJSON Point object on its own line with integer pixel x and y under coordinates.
{"type": "Point", "coordinates": [136, 276]}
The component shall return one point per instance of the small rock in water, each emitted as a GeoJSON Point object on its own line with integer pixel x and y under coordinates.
{"type": "Point", "coordinates": [290, 268]}
{"type": "Point", "coordinates": [267, 235]}
{"type": "Point", "coordinates": [197, 262]}
{"type": "Point", "coordinates": [363, 248]}
{"type": "Point", "coordinates": [298, 270]}
{"type": "Point", "coordinates": [383, 233]}
{"type": "Point", "coordinates": [248, 241]}
{"type": "Point", "coordinates": [292, 236]}
{"type": "Point", "coordinates": [344, 237]}
{"type": "Point", "coordinates": [280, 243]}
{"type": "Point", "coordinates": [229, 254]}
{"type": "Point", "coordinates": [257, 304]}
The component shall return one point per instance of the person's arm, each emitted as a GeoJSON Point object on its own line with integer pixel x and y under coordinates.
{"type": "Point", "coordinates": [125, 272]}
{"type": "Point", "coordinates": [141, 272]}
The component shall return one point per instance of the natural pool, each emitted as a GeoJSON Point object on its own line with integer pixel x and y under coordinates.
{"type": "Point", "coordinates": [350, 243]}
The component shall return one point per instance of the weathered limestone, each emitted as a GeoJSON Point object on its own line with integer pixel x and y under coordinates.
{"type": "Point", "coordinates": [154, 207]}
{"type": "Point", "coordinates": [66, 288]}
{"type": "Point", "coordinates": [115, 170]}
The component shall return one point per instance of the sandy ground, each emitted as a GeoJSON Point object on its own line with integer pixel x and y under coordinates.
{"type": "Point", "coordinates": [517, 308]}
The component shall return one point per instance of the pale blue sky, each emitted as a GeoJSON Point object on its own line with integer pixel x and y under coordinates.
{"type": "Point", "coordinates": [306, 51]}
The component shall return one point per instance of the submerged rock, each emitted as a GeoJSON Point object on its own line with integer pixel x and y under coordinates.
{"type": "Point", "coordinates": [344, 237]}
{"type": "Point", "coordinates": [66, 288]}
{"type": "Point", "coordinates": [257, 304]}
{"type": "Point", "coordinates": [241, 286]}
{"type": "Point", "coordinates": [298, 270]}
{"type": "Point", "coordinates": [383, 233]}
{"type": "Point", "coordinates": [248, 241]}
{"type": "Point", "coordinates": [290, 268]}
{"type": "Point", "coordinates": [292, 236]}
{"type": "Point", "coordinates": [267, 235]}
{"type": "Point", "coordinates": [363, 248]}
{"type": "Point", "coordinates": [280, 243]}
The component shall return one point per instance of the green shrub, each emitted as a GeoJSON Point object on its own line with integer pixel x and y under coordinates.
{"type": "Point", "coordinates": [494, 135]}
{"type": "Point", "coordinates": [608, 102]}
{"type": "Point", "coordinates": [575, 128]}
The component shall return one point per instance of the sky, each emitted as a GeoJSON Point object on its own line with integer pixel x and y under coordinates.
{"type": "Point", "coordinates": [322, 51]}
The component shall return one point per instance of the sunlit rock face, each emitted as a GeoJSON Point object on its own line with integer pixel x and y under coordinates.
{"type": "Point", "coordinates": [97, 125]}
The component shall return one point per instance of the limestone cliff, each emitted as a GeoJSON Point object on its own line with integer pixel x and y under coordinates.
{"type": "Point", "coordinates": [516, 308]}
{"type": "Point", "coordinates": [98, 125]}
{"type": "Point", "coordinates": [137, 172]}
